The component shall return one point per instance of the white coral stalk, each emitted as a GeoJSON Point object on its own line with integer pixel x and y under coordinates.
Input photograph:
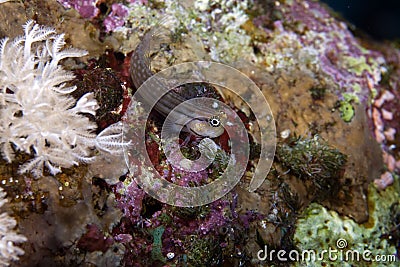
{"type": "Point", "coordinates": [86, 104]}
{"type": "Point", "coordinates": [38, 116]}
{"type": "Point", "coordinates": [8, 237]}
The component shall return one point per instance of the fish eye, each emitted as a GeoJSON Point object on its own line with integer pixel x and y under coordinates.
{"type": "Point", "coordinates": [214, 121]}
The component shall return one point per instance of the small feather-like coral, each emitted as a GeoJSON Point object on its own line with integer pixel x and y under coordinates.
{"type": "Point", "coordinates": [8, 237]}
{"type": "Point", "coordinates": [37, 114]}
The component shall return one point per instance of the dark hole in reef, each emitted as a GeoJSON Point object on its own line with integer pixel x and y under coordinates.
{"type": "Point", "coordinates": [256, 50]}
{"type": "Point", "coordinates": [122, 178]}
{"type": "Point", "coordinates": [317, 93]}
{"type": "Point", "coordinates": [150, 206]}
{"type": "Point", "coordinates": [223, 230]}
{"type": "Point", "coordinates": [97, 181]}
{"type": "Point", "coordinates": [149, 238]}
{"type": "Point", "coordinates": [255, 149]}
{"type": "Point", "coordinates": [103, 8]}
{"type": "Point", "coordinates": [119, 56]}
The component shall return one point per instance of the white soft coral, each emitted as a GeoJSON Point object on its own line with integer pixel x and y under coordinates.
{"type": "Point", "coordinates": [38, 116]}
{"type": "Point", "coordinates": [8, 237]}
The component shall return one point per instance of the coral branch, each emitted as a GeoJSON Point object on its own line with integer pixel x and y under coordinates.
{"type": "Point", "coordinates": [37, 113]}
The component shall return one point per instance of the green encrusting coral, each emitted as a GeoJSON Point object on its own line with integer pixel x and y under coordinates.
{"type": "Point", "coordinates": [320, 229]}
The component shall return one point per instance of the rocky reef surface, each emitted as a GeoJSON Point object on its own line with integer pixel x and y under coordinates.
{"type": "Point", "coordinates": [334, 96]}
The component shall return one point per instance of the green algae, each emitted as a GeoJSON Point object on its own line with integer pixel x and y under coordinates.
{"type": "Point", "coordinates": [156, 250]}
{"type": "Point", "coordinates": [357, 65]}
{"type": "Point", "coordinates": [203, 251]}
{"type": "Point", "coordinates": [321, 229]}
{"type": "Point", "coordinates": [313, 159]}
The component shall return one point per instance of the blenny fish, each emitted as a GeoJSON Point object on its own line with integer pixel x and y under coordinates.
{"type": "Point", "coordinates": [205, 120]}
{"type": "Point", "coordinates": [202, 120]}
